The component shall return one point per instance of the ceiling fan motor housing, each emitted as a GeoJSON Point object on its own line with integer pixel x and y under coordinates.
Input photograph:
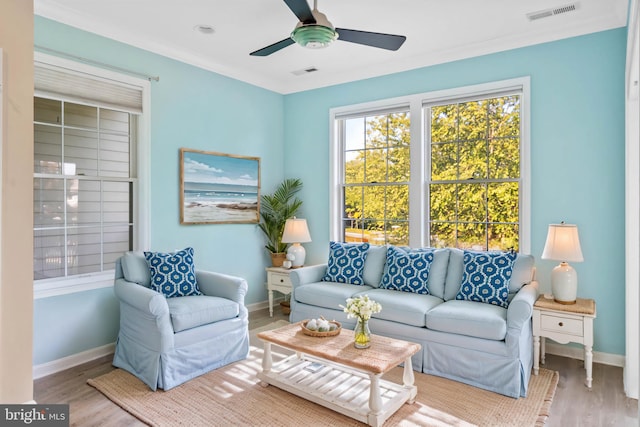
{"type": "Point", "coordinates": [315, 36]}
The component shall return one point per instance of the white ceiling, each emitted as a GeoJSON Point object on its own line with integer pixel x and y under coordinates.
{"type": "Point", "coordinates": [437, 31]}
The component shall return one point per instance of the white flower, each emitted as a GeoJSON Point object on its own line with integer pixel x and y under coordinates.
{"type": "Point", "coordinates": [361, 307]}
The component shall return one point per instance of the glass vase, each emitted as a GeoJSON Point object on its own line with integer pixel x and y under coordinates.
{"type": "Point", "coordinates": [362, 334]}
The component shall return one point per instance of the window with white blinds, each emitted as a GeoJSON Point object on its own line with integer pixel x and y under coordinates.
{"type": "Point", "coordinates": [84, 172]}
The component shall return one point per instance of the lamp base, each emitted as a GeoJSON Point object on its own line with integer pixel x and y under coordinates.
{"type": "Point", "coordinates": [298, 253]}
{"type": "Point", "coordinates": [564, 302]}
{"type": "Point", "coordinates": [564, 284]}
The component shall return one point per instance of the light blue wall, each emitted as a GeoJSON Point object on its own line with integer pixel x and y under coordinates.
{"type": "Point", "coordinates": [577, 140]}
{"type": "Point", "coordinates": [577, 152]}
{"type": "Point", "coordinates": [192, 108]}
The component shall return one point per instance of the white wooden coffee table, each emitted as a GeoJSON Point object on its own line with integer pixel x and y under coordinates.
{"type": "Point", "coordinates": [331, 372]}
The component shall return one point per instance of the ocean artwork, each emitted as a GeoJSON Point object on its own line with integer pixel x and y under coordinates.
{"type": "Point", "coordinates": [218, 188]}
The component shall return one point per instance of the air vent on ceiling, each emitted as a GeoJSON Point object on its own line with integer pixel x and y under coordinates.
{"type": "Point", "coordinates": [533, 16]}
{"type": "Point", "coordinates": [304, 71]}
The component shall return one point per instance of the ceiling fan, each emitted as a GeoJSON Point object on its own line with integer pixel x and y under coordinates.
{"type": "Point", "coordinates": [315, 31]}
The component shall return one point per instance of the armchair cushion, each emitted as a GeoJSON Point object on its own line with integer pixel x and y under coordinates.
{"type": "Point", "coordinates": [193, 311]}
{"type": "Point", "coordinates": [173, 274]}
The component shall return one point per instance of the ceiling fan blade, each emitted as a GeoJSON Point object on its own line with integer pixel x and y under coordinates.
{"type": "Point", "coordinates": [265, 51]}
{"type": "Point", "coordinates": [300, 8]}
{"type": "Point", "coordinates": [383, 41]}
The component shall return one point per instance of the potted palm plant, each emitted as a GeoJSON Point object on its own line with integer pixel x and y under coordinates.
{"type": "Point", "coordinates": [275, 209]}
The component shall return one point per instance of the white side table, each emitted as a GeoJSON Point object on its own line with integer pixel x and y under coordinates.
{"type": "Point", "coordinates": [277, 280]}
{"type": "Point", "coordinates": [564, 323]}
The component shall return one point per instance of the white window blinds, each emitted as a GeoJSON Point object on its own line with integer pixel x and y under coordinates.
{"type": "Point", "coordinates": [86, 88]}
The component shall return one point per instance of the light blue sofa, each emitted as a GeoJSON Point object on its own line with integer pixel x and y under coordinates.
{"type": "Point", "coordinates": [167, 341]}
{"type": "Point", "coordinates": [480, 344]}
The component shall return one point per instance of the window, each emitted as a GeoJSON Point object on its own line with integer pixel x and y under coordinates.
{"type": "Point", "coordinates": [83, 186]}
{"type": "Point", "coordinates": [448, 168]}
{"type": "Point", "coordinates": [376, 178]}
{"type": "Point", "coordinates": [475, 173]}
{"type": "Point", "coordinates": [90, 165]}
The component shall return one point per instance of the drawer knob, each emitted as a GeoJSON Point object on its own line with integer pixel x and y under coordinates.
{"type": "Point", "coordinates": [560, 324]}
{"type": "Point", "coordinates": [281, 280]}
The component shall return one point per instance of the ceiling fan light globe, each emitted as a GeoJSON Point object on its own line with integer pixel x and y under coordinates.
{"type": "Point", "coordinates": [314, 36]}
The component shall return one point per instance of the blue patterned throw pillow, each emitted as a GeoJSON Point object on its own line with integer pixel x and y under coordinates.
{"type": "Point", "coordinates": [486, 277]}
{"type": "Point", "coordinates": [346, 263]}
{"type": "Point", "coordinates": [173, 274]}
{"type": "Point", "coordinates": [407, 270]}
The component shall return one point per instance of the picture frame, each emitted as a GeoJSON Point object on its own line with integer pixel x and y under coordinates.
{"type": "Point", "coordinates": [218, 188]}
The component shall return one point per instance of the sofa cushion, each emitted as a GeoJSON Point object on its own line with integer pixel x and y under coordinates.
{"type": "Point", "coordinates": [402, 307]}
{"type": "Point", "coordinates": [407, 270]}
{"type": "Point", "coordinates": [327, 294]}
{"type": "Point", "coordinates": [173, 274]}
{"type": "Point", "coordinates": [193, 311]}
{"type": "Point", "coordinates": [470, 318]}
{"type": "Point", "coordinates": [374, 265]}
{"type": "Point", "coordinates": [454, 274]}
{"type": "Point", "coordinates": [438, 272]}
{"type": "Point", "coordinates": [346, 263]}
{"type": "Point", "coordinates": [522, 272]}
{"type": "Point", "coordinates": [486, 277]}
{"type": "Point", "coordinates": [136, 269]}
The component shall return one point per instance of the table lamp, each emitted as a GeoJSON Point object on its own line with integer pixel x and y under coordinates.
{"type": "Point", "coordinates": [296, 232]}
{"type": "Point", "coordinates": [563, 244]}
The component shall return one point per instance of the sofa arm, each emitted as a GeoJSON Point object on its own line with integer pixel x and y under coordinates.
{"type": "Point", "coordinates": [222, 285]}
{"type": "Point", "coordinates": [521, 306]}
{"type": "Point", "coordinates": [310, 274]}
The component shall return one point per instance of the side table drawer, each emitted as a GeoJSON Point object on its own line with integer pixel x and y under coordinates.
{"type": "Point", "coordinates": [561, 324]}
{"type": "Point", "coordinates": [280, 280]}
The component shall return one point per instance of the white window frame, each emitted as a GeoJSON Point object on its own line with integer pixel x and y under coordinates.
{"type": "Point", "coordinates": [65, 285]}
{"type": "Point", "coordinates": [420, 155]}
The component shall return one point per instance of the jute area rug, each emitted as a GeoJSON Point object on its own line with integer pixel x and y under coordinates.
{"type": "Point", "coordinates": [232, 396]}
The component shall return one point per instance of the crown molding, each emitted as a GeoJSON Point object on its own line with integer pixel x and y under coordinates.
{"type": "Point", "coordinates": [93, 25]}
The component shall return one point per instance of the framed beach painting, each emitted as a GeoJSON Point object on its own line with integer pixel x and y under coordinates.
{"type": "Point", "coordinates": [217, 188]}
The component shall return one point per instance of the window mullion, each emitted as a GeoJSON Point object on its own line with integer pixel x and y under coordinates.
{"type": "Point", "coordinates": [65, 233]}
{"type": "Point", "coordinates": [99, 172]}
{"type": "Point", "coordinates": [102, 224]}
{"type": "Point", "coordinates": [418, 190]}
{"type": "Point", "coordinates": [486, 185]}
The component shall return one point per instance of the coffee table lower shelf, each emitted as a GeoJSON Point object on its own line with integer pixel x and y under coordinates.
{"type": "Point", "coordinates": [356, 394]}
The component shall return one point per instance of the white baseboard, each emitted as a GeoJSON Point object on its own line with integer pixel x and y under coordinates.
{"type": "Point", "coordinates": [263, 304]}
{"type": "Point", "coordinates": [58, 365]}
{"type": "Point", "coordinates": [578, 353]}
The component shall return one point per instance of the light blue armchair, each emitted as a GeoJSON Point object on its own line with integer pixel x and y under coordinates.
{"type": "Point", "coordinates": [167, 341]}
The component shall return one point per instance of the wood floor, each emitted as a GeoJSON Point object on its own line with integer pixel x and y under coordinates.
{"type": "Point", "coordinates": [573, 404]}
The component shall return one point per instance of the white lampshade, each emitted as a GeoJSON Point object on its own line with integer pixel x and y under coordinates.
{"type": "Point", "coordinates": [563, 244]}
{"type": "Point", "coordinates": [296, 232]}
